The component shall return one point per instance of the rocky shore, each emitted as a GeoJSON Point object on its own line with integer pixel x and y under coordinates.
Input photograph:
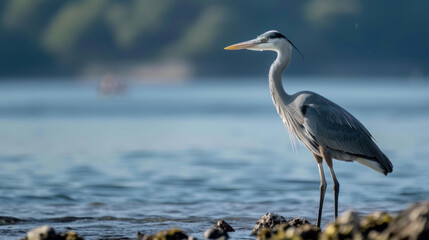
{"type": "Point", "coordinates": [410, 224]}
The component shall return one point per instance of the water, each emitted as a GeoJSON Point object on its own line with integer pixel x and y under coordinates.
{"type": "Point", "coordinates": [187, 154]}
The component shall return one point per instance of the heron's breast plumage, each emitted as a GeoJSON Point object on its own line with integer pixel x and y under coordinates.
{"type": "Point", "coordinates": [293, 118]}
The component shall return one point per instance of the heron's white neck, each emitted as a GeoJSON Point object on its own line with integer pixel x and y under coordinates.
{"type": "Point", "coordinates": [275, 74]}
{"type": "Point", "coordinates": [280, 98]}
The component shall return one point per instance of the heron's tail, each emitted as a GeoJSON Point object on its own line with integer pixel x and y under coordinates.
{"type": "Point", "coordinates": [386, 163]}
{"type": "Point", "coordinates": [380, 164]}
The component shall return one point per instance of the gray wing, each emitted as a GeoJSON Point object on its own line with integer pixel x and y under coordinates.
{"type": "Point", "coordinates": [333, 127]}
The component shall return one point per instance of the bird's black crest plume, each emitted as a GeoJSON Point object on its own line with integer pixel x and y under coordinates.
{"type": "Point", "coordinates": [293, 45]}
{"type": "Point", "coordinates": [279, 35]}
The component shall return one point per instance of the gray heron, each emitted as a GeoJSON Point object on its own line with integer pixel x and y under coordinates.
{"type": "Point", "coordinates": [325, 128]}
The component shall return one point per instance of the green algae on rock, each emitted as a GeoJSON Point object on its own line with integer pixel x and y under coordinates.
{"type": "Point", "coordinates": [170, 234]}
{"type": "Point", "coordinates": [286, 231]}
{"type": "Point", "coordinates": [411, 224]}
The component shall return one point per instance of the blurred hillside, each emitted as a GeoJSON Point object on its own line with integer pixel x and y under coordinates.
{"type": "Point", "coordinates": [144, 37]}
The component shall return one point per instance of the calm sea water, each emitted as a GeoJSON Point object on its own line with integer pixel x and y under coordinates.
{"type": "Point", "coordinates": [185, 155]}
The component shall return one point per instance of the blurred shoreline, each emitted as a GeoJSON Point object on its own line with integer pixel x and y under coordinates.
{"type": "Point", "coordinates": [186, 38]}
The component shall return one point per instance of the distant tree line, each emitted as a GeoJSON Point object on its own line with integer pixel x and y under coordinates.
{"type": "Point", "coordinates": [343, 37]}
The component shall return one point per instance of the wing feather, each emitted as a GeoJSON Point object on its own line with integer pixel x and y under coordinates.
{"type": "Point", "coordinates": [335, 128]}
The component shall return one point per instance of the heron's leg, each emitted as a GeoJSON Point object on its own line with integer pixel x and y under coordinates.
{"type": "Point", "coordinates": [336, 184]}
{"type": "Point", "coordinates": [319, 161]}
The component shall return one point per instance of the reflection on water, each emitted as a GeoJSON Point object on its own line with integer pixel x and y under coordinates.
{"type": "Point", "coordinates": [185, 155]}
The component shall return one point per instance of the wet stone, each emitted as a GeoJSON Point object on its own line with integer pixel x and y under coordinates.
{"type": "Point", "coordinates": [4, 220]}
{"type": "Point", "coordinates": [221, 224]}
{"type": "Point", "coordinates": [413, 224]}
{"type": "Point", "coordinates": [70, 236]}
{"type": "Point", "coordinates": [147, 237]}
{"type": "Point", "coordinates": [280, 228]}
{"type": "Point", "coordinates": [264, 234]}
{"type": "Point", "coordinates": [48, 233]}
{"type": "Point", "coordinates": [171, 234]}
{"type": "Point", "coordinates": [286, 231]}
{"type": "Point", "coordinates": [215, 233]}
{"type": "Point", "coordinates": [140, 236]}
{"type": "Point", "coordinates": [269, 220]}
{"type": "Point", "coordinates": [349, 218]}
{"type": "Point", "coordinates": [117, 238]}
{"type": "Point", "coordinates": [345, 227]}
{"type": "Point", "coordinates": [375, 223]}
{"type": "Point", "coordinates": [304, 232]}
{"type": "Point", "coordinates": [298, 221]}
{"type": "Point", "coordinates": [42, 233]}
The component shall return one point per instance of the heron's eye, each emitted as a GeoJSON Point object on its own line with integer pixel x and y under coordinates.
{"type": "Point", "coordinates": [265, 39]}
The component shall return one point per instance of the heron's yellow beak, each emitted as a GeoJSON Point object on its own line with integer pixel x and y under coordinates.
{"type": "Point", "coordinates": [242, 45]}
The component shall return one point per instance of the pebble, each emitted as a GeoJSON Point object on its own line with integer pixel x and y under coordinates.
{"type": "Point", "coordinates": [221, 224]}
{"type": "Point", "coordinates": [171, 234]}
{"type": "Point", "coordinates": [42, 233]}
{"type": "Point", "coordinates": [215, 233]}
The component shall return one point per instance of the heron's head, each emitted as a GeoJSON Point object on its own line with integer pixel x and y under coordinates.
{"type": "Point", "coordinates": [271, 40]}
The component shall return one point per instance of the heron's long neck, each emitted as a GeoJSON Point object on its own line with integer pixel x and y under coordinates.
{"type": "Point", "coordinates": [275, 77]}
{"type": "Point", "coordinates": [281, 99]}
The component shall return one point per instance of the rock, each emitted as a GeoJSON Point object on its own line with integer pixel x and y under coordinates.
{"type": "Point", "coordinates": [335, 231]}
{"type": "Point", "coordinates": [264, 234]}
{"type": "Point", "coordinates": [171, 234]}
{"type": "Point", "coordinates": [349, 218]}
{"type": "Point", "coordinates": [116, 238]}
{"type": "Point", "coordinates": [285, 231]}
{"type": "Point", "coordinates": [140, 236]}
{"type": "Point", "coordinates": [269, 220]}
{"type": "Point", "coordinates": [298, 221]}
{"type": "Point", "coordinates": [281, 228]}
{"type": "Point", "coordinates": [345, 227]}
{"type": "Point", "coordinates": [4, 220]}
{"type": "Point", "coordinates": [70, 236]}
{"type": "Point", "coordinates": [277, 232]}
{"type": "Point", "coordinates": [274, 226]}
{"type": "Point", "coordinates": [221, 224]}
{"type": "Point", "coordinates": [48, 233]}
{"type": "Point", "coordinates": [148, 237]}
{"type": "Point", "coordinates": [375, 223]}
{"type": "Point", "coordinates": [411, 224]}
{"type": "Point", "coordinates": [42, 233]}
{"type": "Point", "coordinates": [303, 232]}
{"type": "Point", "coordinates": [215, 233]}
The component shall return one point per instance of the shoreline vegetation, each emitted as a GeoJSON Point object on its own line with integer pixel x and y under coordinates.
{"type": "Point", "coordinates": [76, 38]}
{"type": "Point", "coordinates": [411, 223]}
